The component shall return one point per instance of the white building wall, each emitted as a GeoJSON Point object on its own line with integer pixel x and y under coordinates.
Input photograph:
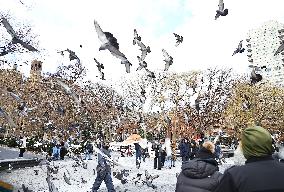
{"type": "Point", "coordinates": [261, 46]}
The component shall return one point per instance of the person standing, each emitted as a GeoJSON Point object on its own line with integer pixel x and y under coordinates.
{"type": "Point", "coordinates": [23, 146]}
{"type": "Point", "coordinates": [88, 150]}
{"type": "Point", "coordinates": [260, 172]}
{"type": "Point", "coordinates": [200, 174]}
{"type": "Point", "coordinates": [103, 171]}
{"type": "Point", "coordinates": [138, 154]}
{"type": "Point", "coordinates": [184, 150]}
{"type": "Point", "coordinates": [168, 153]}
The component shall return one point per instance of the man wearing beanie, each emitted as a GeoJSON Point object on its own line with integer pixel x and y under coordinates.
{"type": "Point", "coordinates": [261, 173]}
{"type": "Point", "coordinates": [200, 174]}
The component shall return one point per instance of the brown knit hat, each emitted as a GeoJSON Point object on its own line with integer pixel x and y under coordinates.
{"type": "Point", "coordinates": [210, 146]}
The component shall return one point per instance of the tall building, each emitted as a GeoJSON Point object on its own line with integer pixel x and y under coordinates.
{"type": "Point", "coordinates": [262, 43]}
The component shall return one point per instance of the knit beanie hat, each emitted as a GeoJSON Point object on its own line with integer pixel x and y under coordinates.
{"type": "Point", "coordinates": [256, 142]}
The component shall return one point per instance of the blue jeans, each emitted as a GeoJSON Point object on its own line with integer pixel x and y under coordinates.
{"type": "Point", "coordinates": [87, 155]}
{"type": "Point", "coordinates": [138, 156]}
{"type": "Point", "coordinates": [106, 177]}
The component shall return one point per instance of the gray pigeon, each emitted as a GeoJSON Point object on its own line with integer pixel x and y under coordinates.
{"type": "Point", "coordinates": [145, 50]}
{"type": "Point", "coordinates": [280, 49]}
{"type": "Point", "coordinates": [100, 66]}
{"type": "Point", "coordinates": [137, 38]}
{"type": "Point", "coordinates": [255, 77]}
{"type": "Point", "coordinates": [240, 48]}
{"type": "Point", "coordinates": [142, 63]}
{"type": "Point", "coordinates": [8, 118]}
{"type": "Point", "coordinates": [168, 59]}
{"type": "Point", "coordinates": [15, 38]}
{"type": "Point", "coordinates": [221, 11]}
{"type": "Point", "coordinates": [179, 39]}
{"type": "Point", "coordinates": [109, 42]}
{"type": "Point", "coordinates": [150, 73]}
{"type": "Point", "coordinates": [69, 91]}
{"type": "Point", "coordinates": [66, 179]}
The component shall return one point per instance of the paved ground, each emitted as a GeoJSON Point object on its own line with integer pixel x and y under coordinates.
{"type": "Point", "coordinates": [6, 153]}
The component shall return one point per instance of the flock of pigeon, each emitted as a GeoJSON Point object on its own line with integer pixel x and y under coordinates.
{"type": "Point", "coordinates": [109, 42]}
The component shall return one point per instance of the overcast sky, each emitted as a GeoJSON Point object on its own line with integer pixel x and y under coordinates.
{"type": "Point", "coordinates": [65, 24]}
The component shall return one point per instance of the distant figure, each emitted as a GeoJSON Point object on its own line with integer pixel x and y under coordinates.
{"type": "Point", "coordinates": [55, 152]}
{"type": "Point", "coordinates": [218, 152]}
{"type": "Point", "coordinates": [168, 153]}
{"type": "Point", "coordinates": [138, 153]}
{"type": "Point", "coordinates": [63, 150]}
{"type": "Point", "coordinates": [103, 171]}
{"type": "Point", "coordinates": [184, 150]}
{"type": "Point", "coordinates": [88, 150]}
{"type": "Point", "coordinates": [23, 146]}
{"type": "Point", "coordinates": [200, 174]}
{"type": "Point", "coordinates": [260, 172]}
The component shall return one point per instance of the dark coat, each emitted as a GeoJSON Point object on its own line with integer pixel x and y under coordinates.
{"type": "Point", "coordinates": [198, 176]}
{"type": "Point", "coordinates": [262, 174]}
{"type": "Point", "coordinates": [184, 149]}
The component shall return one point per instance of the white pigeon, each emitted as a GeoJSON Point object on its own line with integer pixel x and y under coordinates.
{"type": "Point", "coordinates": [113, 47]}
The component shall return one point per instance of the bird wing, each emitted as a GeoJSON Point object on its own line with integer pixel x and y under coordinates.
{"type": "Point", "coordinates": [135, 33]}
{"type": "Point", "coordinates": [143, 55]}
{"type": "Point", "coordinates": [221, 5]}
{"type": "Point", "coordinates": [127, 66]}
{"type": "Point", "coordinates": [141, 45]}
{"type": "Point", "coordinates": [139, 68]}
{"type": "Point", "coordinates": [8, 27]}
{"type": "Point", "coordinates": [280, 49]}
{"type": "Point", "coordinates": [65, 86]}
{"type": "Point", "coordinates": [102, 37]}
{"type": "Point", "coordinates": [240, 45]}
{"type": "Point", "coordinates": [177, 43]}
{"type": "Point", "coordinates": [25, 45]}
{"type": "Point", "coordinates": [114, 51]}
{"type": "Point", "coordinates": [176, 35]}
{"type": "Point", "coordinates": [167, 66]}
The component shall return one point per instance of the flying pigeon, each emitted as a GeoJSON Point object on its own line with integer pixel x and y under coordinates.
{"type": "Point", "coordinates": [15, 38]}
{"type": "Point", "coordinates": [168, 59]}
{"type": "Point", "coordinates": [69, 91]}
{"type": "Point", "coordinates": [109, 42]}
{"type": "Point", "coordinates": [137, 38]}
{"type": "Point", "coordinates": [83, 180]}
{"type": "Point", "coordinates": [36, 172]}
{"type": "Point", "coordinates": [142, 63]}
{"type": "Point", "coordinates": [100, 66]}
{"type": "Point", "coordinates": [255, 77]}
{"type": "Point", "coordinates": [150, 73]}
{"type": "Point", "coordinates": [145, 50]}
{"type": "Point", "coordinates": [221, 11]}
{"type": "Point", "coordinates": [8, 118]}
{"type": "Point", "coordinates": [179, 39]}
{"type": "Point", "coordinates": [280, 49]}
{"type": "Point", "coordinates": [240, 48]}
{"type": "Point", "coordinates": [66, 179]}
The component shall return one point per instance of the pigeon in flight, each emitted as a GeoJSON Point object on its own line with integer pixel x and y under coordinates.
{"type": "Point", "coordinates": [168, 59]}
{"type": "Point", "coordinates": [110, 42]}
{"type": "Point", "coordinates": [255, 77]}
{"type": "Point", "coordinates": [7, 117]}
{"type": "Point", "coordinates": [221, 11]}
{"type": "Point", "coordinates": [142, 63]}
{"type": "Point", "coordinates": [137, 38]}
{"type": "Point", "coordinates": [15, 38]}
{"type": "Point", "coordinates": [280, 49]}
{"type": "Point", "coordinates": [240, 48]}
{"type": "Point", "coordinates": [150, 73]}
{"type": "Point", "coordinates": [179, 39]}
{"type": "Point", "coordinates": [69, 91]}
{"type": "Point", "coordinates": [100, 66]}
{"type": "Point", "coordinates": [145, 50]}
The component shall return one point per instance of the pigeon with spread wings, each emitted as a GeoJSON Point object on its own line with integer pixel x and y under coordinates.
{"type": "Point", "coordinates": [150, 73]}
{"type": "Point", "coordinates": [179, 39]}
{"type": "Point", "coordinates": [100, 66]}
{"type": "Point", "coordinates": [15, 38]}
{"type": "Point", "coordinates": [137, 38]}
{"type": "Point", "coordinates": [145, 50]}
{"type": "Point", "coordinates": [221, 11]}
{"type": "Point", "coordinates": [240, 48]}
{"type": "Point", "coordinates": [168, 59]}
{"type": "Point", "coordinates": [110, 42]}
{"type": "Point", "coordinates": [142, 63]}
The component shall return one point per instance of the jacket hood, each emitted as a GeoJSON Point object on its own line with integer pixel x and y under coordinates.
{"type": "Point", "coordinates": [200, 168]}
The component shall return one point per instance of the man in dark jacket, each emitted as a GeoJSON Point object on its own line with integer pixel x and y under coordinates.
{"type": "Point", "coordinates": [261, 173]}
{"type": "Point", "coordinates": [184, 150]}
{"type": "Point", "coordinates": [201, 174]}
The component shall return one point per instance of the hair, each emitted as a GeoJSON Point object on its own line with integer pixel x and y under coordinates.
{"type": "Point", "coordinates": [209, 145]}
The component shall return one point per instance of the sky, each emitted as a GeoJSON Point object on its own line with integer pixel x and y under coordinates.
{"type": "Point", "coordinates": [207, 42]}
